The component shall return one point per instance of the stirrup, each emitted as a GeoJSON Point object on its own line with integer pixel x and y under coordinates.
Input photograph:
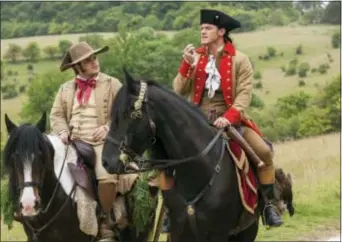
{"type": "Point", "coordinates": [263, 217]}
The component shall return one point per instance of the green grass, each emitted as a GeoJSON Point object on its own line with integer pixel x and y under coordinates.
{"type": "Point", "coordinates": [316, 177]}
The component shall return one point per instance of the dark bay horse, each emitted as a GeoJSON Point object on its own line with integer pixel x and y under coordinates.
{"type": "Point", "coordinates": [205, 204]}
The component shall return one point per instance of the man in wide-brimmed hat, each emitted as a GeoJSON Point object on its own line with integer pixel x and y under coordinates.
{"type": "Point", "coordinates": [84, 103]}
{"type": "Point", "coordinates": [218, 78]}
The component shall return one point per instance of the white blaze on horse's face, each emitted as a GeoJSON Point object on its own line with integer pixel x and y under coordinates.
{"type": "Point", "coordinates": [28, 198]}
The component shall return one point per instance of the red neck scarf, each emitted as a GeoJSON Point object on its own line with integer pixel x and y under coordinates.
{"type": "Point", "coordinates": [85, 88]}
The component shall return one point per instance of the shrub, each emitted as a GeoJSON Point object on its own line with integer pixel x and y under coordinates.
{"type": "Point", "coordinates": [22, 88]}
{"type": "Point", "coordinates": [303, 69]}
{"type": "Point", "coordinates": [291, 70]}
{"type": "Point", "coordinates": [322, 69]}
{"type": "Point", "coordinates": [257, 75]}
{"type": "Point", "coordinates": [258, 85]}
{"type": "Point", "coordinates": [299, 50]}
{"type": "Point", "coordinates": [30, 67]}
{"type": "Point", "coordinates": [301, 83]}
{"type": "Point", "coordinates": [271, 51]}
{"type": "Point", "coordinates": [336, 40]}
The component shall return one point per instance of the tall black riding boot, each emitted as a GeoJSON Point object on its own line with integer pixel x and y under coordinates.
{"type": "Point", "coordinates": [270, 216]}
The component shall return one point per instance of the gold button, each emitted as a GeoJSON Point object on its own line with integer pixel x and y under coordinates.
{"type": "Point", "coordinates": [228, 71]}
{"type": "Point", "coordinates": [228, 88]}
{"type": "Point", "coordinates": [229, 63]}
{"type": "Point", "coordinates": [228, 79]}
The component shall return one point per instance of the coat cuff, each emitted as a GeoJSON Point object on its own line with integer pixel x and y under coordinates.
{"type": "Point", "coordinates": [233, 115]}
{"type": "Point", "coordinates": [185, 69]}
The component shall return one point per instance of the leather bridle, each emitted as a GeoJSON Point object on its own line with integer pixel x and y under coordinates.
{"type": "Point", "coordinates": [127, 155]}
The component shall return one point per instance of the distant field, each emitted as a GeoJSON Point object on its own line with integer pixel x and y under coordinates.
{"type": "Point", "coordinates": [317, 189]}
{"type": "Point", "coordinates": [49, 40]}
{"type": "Point", "coordinates": [316, 42]}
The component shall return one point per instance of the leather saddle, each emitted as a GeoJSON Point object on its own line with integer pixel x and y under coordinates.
{"type": "Point", "coordinates": [83, 171]}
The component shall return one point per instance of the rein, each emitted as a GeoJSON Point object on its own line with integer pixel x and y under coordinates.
{"type": "Point", "coordinates": [128, 155]}
{"type": "Point", "coordinates": [164, 163]}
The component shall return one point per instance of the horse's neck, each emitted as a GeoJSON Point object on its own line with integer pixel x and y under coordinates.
{"type": "Point", "coordinates": [181, 142]}
{"type": "Point", "coordinates": [61, 173]}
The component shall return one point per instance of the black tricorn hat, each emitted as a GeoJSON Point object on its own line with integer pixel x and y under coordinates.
{"type": "Point", "coordinates": [220, 19]}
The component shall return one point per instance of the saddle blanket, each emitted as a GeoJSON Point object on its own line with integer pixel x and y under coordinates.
{"type": "Point", "coordinates": [247, 180]}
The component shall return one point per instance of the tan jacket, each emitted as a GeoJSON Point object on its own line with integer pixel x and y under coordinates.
{"type": "Point", "coordinates": [106, 89]}
{"type": "Point", "coordinates": [241, 82]}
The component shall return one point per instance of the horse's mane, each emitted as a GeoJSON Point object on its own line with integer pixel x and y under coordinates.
{"type": "Point", "coordinates": [26, 138]}
{"type": "Point", "coordinates": [123, 98]}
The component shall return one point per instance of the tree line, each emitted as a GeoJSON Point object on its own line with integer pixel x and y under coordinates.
{"type": "Point", "coordinates": [20, 19]}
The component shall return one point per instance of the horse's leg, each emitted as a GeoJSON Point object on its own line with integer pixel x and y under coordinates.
{"type": "Point", "coordinates": [248, 234]}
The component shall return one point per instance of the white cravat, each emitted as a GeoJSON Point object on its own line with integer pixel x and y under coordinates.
{"type": "Point", "coordinates": [214, 78]}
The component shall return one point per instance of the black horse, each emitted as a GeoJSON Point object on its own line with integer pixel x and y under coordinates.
{"type": "Point", "coordinates": [45, 207]}
{"type": "Point", "coordinates": [205, 204]}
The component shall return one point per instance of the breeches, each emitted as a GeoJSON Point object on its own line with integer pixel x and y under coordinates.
{"type": "Point", "coordinates": [101, 174]}
{"type": "Point", "coordinates": [123, 182]}
{"type": "Point", "coordinates": [265, 174]}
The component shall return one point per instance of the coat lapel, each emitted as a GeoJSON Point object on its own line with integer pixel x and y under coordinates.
{"type": "Point", "coordinates": [69, 98]}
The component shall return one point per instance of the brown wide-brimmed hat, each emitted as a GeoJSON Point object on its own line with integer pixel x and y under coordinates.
{"type": "Point", "coordinates": [79, 52]}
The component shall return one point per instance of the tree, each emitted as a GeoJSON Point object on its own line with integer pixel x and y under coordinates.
{"type": "Point", "coordinates": [13, 52]}
{"type": "Point", "coordinates": [41, 94]}
{"type": "Point", "coordinates": [51, 51]}
{"type": "Point", "coordinates": [63, 46]}
{"type": "Point", "coordinates": [32, 52]}
{"type": "Point", "coordinates": [332, 13]}
{"type": "Point", "coordinates": [94, 40]}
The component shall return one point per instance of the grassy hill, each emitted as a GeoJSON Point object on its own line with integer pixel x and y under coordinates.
{"type": "Point", "coordinates": [315, 41]}
{"type": "Point", "coordinates": [316, 177]}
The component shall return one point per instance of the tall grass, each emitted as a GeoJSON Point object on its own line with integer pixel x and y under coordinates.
{"type": "Point", "coordinates": [314, 164]}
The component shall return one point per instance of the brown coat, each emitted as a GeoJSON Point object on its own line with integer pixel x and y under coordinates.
{"type": "Point", "coordinates": [105, 91]}
{"type": "Point", "coordinates": [241, 83]}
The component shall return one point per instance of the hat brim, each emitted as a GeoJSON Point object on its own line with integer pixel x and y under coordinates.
{"type": "Point", "coordinates": [66, 64]}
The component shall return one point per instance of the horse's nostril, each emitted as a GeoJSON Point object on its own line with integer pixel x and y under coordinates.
{"type": "Point", "coordinates": [36, 205]}
{"type": "Point", "coordinates": [105, 164]}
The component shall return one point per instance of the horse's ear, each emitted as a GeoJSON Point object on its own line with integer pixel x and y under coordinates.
{"type": "Point", "coordinates": [9, 124]}
{"type": "Point", "coordinates": [42, 123]}
{"type": "Point", "coordinates": [129, 79]}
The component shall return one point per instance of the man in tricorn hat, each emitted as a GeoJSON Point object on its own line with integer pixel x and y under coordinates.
{"type": "Point", "coordinates": [218, 78]}
{"type": "Point", "coordinates": [84, 103]}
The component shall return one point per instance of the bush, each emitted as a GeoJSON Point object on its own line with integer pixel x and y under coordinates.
{"type": "Point", "coordinates": [291, 70]}
{"type": "Point", "coordinates": [271, 51]}
{"type": "Point", "coordinates": [11, 93]}
{"type": "Point", "coordinates": [283, 68]}
{"type": "Point", "coordinates": [258, 85]}
{"type": "Point", "coordinates": [336, 40]}
{"type": "Point", "coordinates": [257, 102]}
{"type": "Point", "coordinates": [299, 50]}
{"type": "Point", "coordinates": [313, 70]}
{"type": "Point", "coordinates": [266, 57]}
{"type": "Point", "coordinates": [303, 69]}
{"type": "Point", "coordinates": [22, 88]}
{"type": "Point", "coordinates": [301, 83]}
{"type": "Point", "coordinates": [30, 67]}
{"type": "Point", "coordinates": [257, 75]}
{"type": "Point", "coordinates": [322, 69]}
{"type": "Point", "coordinates": [9, 72]}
